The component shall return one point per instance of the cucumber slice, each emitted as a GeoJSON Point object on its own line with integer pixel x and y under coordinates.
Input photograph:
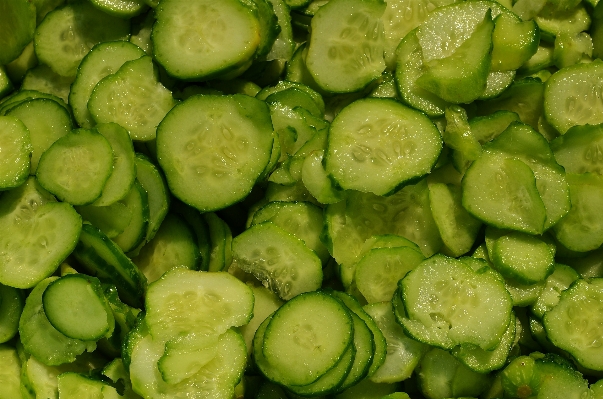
{"type": "Point", "coordinates": [153, 182]}
{"type": "Point", "coordinates": [279, 260]}
{"type": "Point", "coordinates": [214, 148]}
{"type": "Point", "coordinates": [133, 98]}
{"type": "Point", "coordinates": [61, 41]}
{"type": "Point", "coordinates": [12, 301]}
{"type": "Point", "coordinates": [186, 302]}
{"type": "Point", "coordinates": [378, 145]}
{"type": "Point", "coordinates": [201, 39]}
{"type": "Point", "coordinates": [10, 375]}
{"type": "Point", "coordinates": [76, 306]}
{"type": "Point", "coordinates": [102, 60]}
{"type": "Point", "coordinates": [571, 96]}
{"type": "Point", "coordinates": [579, 149]}
{"type": "Point", "coordinates": [15, 144]}
{"type": "Point", "coordinates": [463, 307]}
{"type": "Point", "coordinates": [345, 54]}
{"type": "Point", "coordinates": [313, 327]}
{"type": "Point", "coordinates": [572, 325]}
{"type": "Point", "coordinates": [76, 167]}
{"type": "Point", "coordinates": [38, 235]}
{"type": "Point", "coordinates": [121, 8]}
{"type": "Point", "coordinates": [18, 23]}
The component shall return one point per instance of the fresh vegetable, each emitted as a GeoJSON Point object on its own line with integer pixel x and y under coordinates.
{"type": "Point", "coordinates": [243, 199]}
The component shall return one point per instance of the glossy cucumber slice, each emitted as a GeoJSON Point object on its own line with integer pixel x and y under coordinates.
{"type": "Point", "coordinates": [378, 145]}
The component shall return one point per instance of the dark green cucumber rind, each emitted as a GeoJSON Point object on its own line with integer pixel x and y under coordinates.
{"type": "Point", "coordinates": [102, 258]}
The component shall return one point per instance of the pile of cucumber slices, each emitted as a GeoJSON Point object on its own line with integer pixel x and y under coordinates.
{"type": "Point", "coordinates": [284, 199]}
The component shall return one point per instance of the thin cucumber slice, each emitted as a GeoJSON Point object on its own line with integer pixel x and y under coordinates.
{"type": "Point", "coordinates": [364, 346]}
{"type": "Point", "coordinates": [133, 98]}
{"type": "Point", "coordinates": [46, 120]}
{"type": "Point", "coordinates": [42, 78]}
{"type": "Point", "coordinates": [572, 325]}
{"type": "Point", "coordinates": [152, 181]}
{"type": "Point", "coordinates": [76, 386]}
{"type": "Point", "coordinates": [378, 271]}
{"type": "Point", "coordinates": [173, 245]}
{"type": "Point", "coordinates": [18, 23]}
{"type": "Point", "coordinates": [102, 258]}
{"type": "Point", "coordinates": [12, 301]}
{"type": "Point", "coordinates": [380, 348]}
{"type": "Point", "coordinates": [214, 148]}
{"type": "Point", "coordinates": [513, 203]}
{"type": "Point", "coordinates": [561, 279]}
{"type": "Point", "coordinates": [468, 307]}
{"type": "Point", "coordinates": [40, 338]}
{"type": "Point", "coordinates": [220, 241]}
{"type": "Point", "coordinates": [314, 328]}
{"type": "Point", "coordinates": [571, 96]}
{"type": "Point", "coordinates": [345, 54]}
{"type": "Point", "coordinates": [302, 219]}
{"type": "Point", "coordinates": [185, 355]}
{"type": "Point", "coordinates": [284, 45]}
{"type": "Point", "coordinates": [522, 257]}
{"type": "Point", "coordinates": [409, 67]}
{"type": "Point", "coordinates": [573, 231]}
{"type": "Point", "coordinates": [76, 306]}
{"type": "Point", "coordinates": [102, 60]}
{"type": "Point", "coordinates": [10, 375]}
{"type": "Point", "coordinates": [264, 304]}
{"type": "Point", "coordinates": [279, 260]}
{"type": "Point", "coordinates": [121, 8]}
{"type": "Point", "coordinates": [76, 167]}
{"type": "Point", "coordinates": [137, 206]}
{"type": "Point", "coordinates": [578, 150]}
{"type": "Point", "coordinates": [441, 375]}
{"type": "Point", "coordinates": [187, 302]}
{"type": "Point", "coordinates": [216, 379]}
{"type": "Point", "coordinates": [39, 234]}
{"type": "Point", "coordinates": [201, 39]}
{"type": "Point", "coordinates": [123, 174]}
{"type": "Point", "coordinates": [378, 145]}
{"type": "Point", "coordinates": [316, 180]}
{"type": "Point", "coordinates": [514, 42]}
{"type": "Point", "coordinates": [67, 34]}
{"type": "Point", "coordinates": [524, 143]}
{"type": "Point", "coordinates": [15, 144]}
{"type": "Point", "coordinates": [403, 352]}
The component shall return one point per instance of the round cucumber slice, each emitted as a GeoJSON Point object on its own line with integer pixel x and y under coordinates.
{"type": "Point", "coordinates": [76, 306]}
{"type": "Point", "coordinates": [377, 145]}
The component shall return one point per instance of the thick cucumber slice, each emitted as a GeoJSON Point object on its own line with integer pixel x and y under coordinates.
{"type": "Point", "coordinates": [67, 34]}
{"type": "Point", "coordinates": [76, 167]}
{"type": "Point", "coordinates": [102, 60]}
{"type": "Point", "coordinates": [345, 54]}
{"type": "Point", "coordinates": [203, 38]}
{"type": "Point", "coordinates": [571, 96]}
{"type": "Point", "coordinates": [314, 328]}
{"type": "Point", "coordinates": [213, 148]}
{"type": "Point", "coordinates": [377, 145]}
{"type": "Point", "coordinates": [15, 144]}
{"type": "Point", "coordinates": [187, 302]}
{"type": "Point", "coordinates": [464, 306]}
{"type": "Point", "coordinates": [37, 235]}
{"type": "Point", "coordinates": [278, 259]}
{"type": "Point", "coordinates": [133, 98]}
{"type": "Point", "coordinates": [76, 306]}
{"type": "Point", "coordinates": [514, 202]}
{"type": "Point", "coordinates": [573, 325]}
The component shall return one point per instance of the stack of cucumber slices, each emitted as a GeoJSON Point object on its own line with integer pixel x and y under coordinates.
{"type": "Point", "coordinates": [284, 199]}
